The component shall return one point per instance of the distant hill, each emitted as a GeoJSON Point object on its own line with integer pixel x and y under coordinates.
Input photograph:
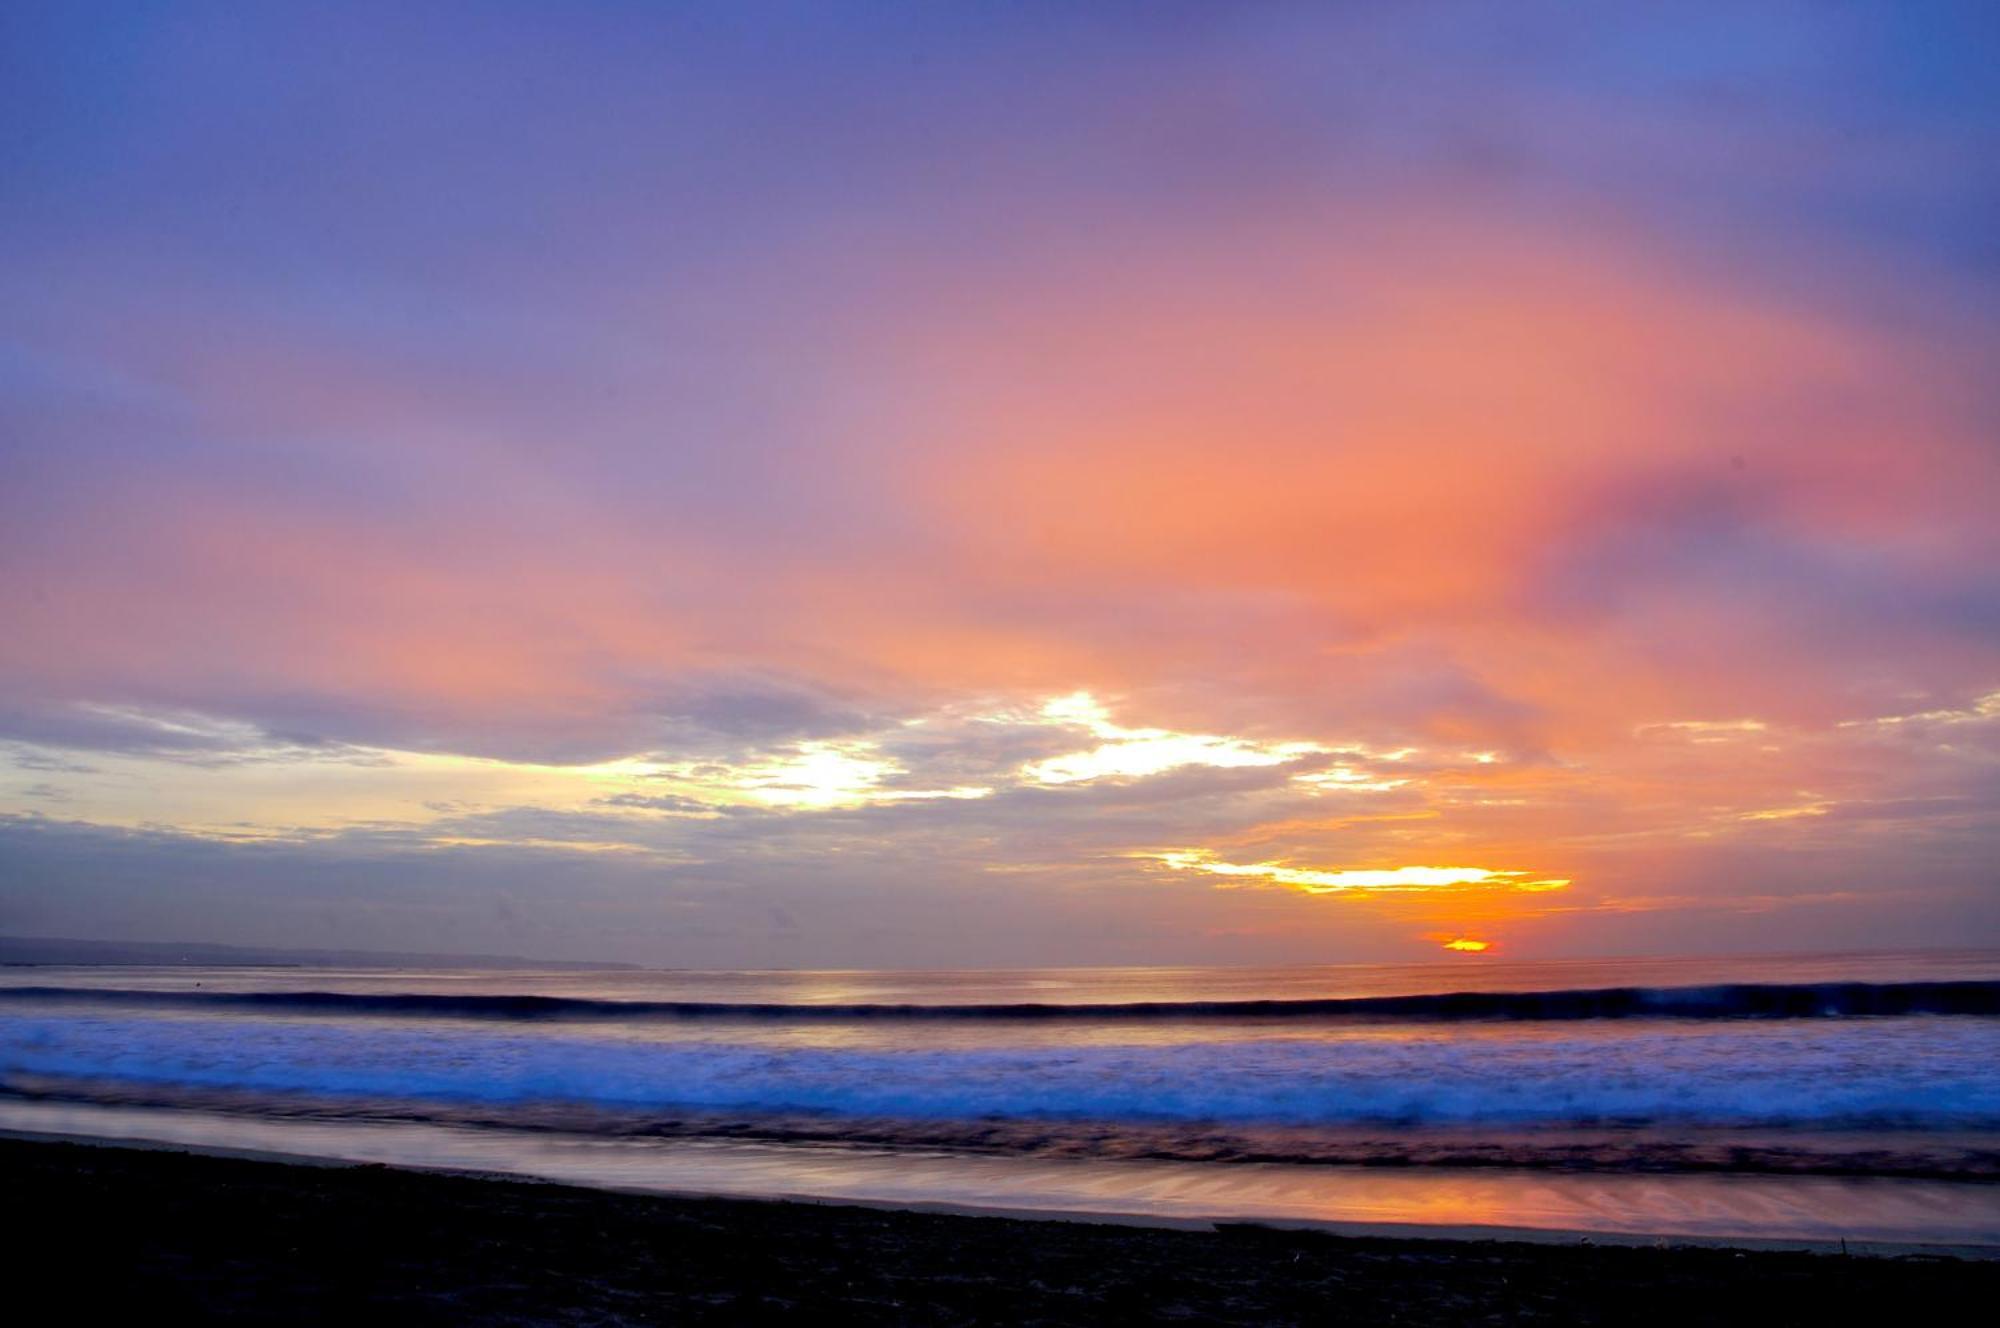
{"type": "Point", "coordinates": [198, 954]}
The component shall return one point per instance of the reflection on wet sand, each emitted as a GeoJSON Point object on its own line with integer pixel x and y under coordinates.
{"type": "Point", "coordinates": [1798, 1210]}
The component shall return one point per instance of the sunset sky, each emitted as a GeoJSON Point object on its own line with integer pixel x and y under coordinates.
{"type": "Point", "coordinates": [901, 485]}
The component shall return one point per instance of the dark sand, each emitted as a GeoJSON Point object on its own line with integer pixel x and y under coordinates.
{"type": "Point", "coordinates": [111, 1234]}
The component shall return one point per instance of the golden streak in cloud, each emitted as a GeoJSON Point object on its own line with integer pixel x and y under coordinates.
{"type": "Point", "coordinates": [1368, 880]}
{"type": "Point", "coordinates": [1346, 779]}
{"type": "Point", "coordinates": [1787, 813]}
{"type": "Point", "coordinates": [1706, 730]}
{"type": "Point", "coordinates": [1467, 945]}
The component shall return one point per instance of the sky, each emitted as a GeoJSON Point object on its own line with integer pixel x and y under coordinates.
{"type": "Point", "coordinates": [876, 485]}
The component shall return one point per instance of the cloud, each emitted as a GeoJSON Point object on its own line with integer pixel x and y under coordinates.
{"type": "Point", "coordinates": [1979, 709]}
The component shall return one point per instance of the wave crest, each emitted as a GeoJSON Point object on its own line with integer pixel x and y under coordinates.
{"type": "Point", "coordinates": [1731, 1001]}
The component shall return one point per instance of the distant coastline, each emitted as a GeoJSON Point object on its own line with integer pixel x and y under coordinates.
{"type": "Point", "coordinates": [55, 951]}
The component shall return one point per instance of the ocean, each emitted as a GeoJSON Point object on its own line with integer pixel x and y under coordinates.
{"type": "Point", "coordinates": [1799, 1098]}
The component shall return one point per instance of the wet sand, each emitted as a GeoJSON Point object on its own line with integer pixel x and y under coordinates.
{"type": "Point", "coordinates": [1864, 1214]}
{"type": "Point", "coordinates": [113, 1233]}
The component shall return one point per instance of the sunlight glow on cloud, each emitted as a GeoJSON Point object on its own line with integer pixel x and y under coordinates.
{"type": "Point", "coordinates": [812, 776]}
{"type": "Point", "coordinates": [1371, 880]}
{"type": "Point", "coordinates": [1129, 753]}
{"type": "Point", "coordinates": [222, 778]}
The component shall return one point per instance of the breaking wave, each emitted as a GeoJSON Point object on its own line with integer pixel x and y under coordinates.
{"type": "Point", "coordinates": [1921, 1074]}
{"type": "Point", "coordinates": [1731, 1001]}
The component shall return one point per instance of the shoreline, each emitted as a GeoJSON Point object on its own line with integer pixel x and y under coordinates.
{"type": "Point", "coordinates": [1835, 1214]}
{"type": "Point", "coordinates": [163, 1231]}
{"type": "Point", "coordinates": [1451, 1233]}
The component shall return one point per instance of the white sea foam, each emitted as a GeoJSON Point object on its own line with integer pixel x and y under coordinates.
{"type": "Point", "coordinates": [1908, 1073]}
